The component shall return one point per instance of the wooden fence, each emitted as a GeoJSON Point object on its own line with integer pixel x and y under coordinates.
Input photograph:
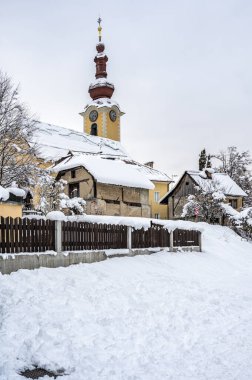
{"type": "Point", "coordinates": [155, 236]}
{"type": "Point", "coordinates": [79, 235]}
{"type": "Point", "coordinates": [186, 238]}
{"type": "Point", "coordinates": [32, 235]}
{"type": "Point", "coordinates": [26, 235]}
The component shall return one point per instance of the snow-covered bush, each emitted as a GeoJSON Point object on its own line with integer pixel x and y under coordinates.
{"type": "Point", "coordinates": [53, 198]}
{"type": "Point", "coordinates": [206, 204]}
{"type": "Point", "coordinates": [241, 221]}
{"type": "Point", "coordinates": [76, 205]}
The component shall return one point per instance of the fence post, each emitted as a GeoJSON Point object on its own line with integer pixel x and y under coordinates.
{"type": "Point", "coordinates": [129, 237]}
{"type": "Point", "coordinates": [200, 241]}
{"type": "Point", "coordinates": [58, 236]}
{"type": "Point", "coordinates": [171, 241]}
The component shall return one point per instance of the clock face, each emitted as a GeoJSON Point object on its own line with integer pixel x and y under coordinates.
{"type": "Point", "coordinates": [93, 115]}
{"type": "Point", "coordinates": [112, 115]}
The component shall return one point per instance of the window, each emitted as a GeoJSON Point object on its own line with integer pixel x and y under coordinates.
{"type": "Point", "coordinates": [74, 190]}
{"type": "Point", "coordinates": [156, 196]}
{"type": "Point", "coordinates": [156, 216]}
{"type": "Point", "coordinates": [73, 174]}
{"type": "Point", "coordinates": [233, 203]}
{"type": "Point", "coordinates": [94, 129]}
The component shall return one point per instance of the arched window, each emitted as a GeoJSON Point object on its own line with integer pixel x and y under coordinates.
{"type": "Point", "coordinates": [94, 129]}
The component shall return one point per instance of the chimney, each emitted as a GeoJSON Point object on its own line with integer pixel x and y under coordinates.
{"type": "Point", "coordinates": [209, 173]}
{"type": "Point", "coordinates": [150, 164]}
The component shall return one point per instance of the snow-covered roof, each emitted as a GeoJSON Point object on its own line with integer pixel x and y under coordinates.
{"type": "Point", "coordinates": [154, 174]}
{"type": "Point", "coordinates": [102, 102]}
{"type": "Point", "coordinates": [105, 170]}
{"type": "Point", "coordinates": [55, 142]}
{"type": "Point", "coordinates": [5, 193]}
{"type": "Point", "coordinates": [100, 82]}
{"type": "Point", "coordinates": [224, 181]}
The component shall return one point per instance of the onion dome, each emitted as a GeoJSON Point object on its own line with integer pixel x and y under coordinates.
{"type": "Point", "coordinates": [101, 88]}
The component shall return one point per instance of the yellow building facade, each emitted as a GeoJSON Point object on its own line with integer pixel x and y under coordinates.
{"type": "Point", "coordinates": [158, 211]}
{"type": "Point", "coordinates": [8, 209]}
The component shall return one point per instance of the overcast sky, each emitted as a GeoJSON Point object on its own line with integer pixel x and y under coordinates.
{"type": "Point", "coordinates": [182, 69]}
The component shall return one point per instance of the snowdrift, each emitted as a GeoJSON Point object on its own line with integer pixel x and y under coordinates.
{"type": "Point", "coordinates": [167, 316]}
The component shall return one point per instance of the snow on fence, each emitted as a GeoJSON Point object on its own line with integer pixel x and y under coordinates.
{"type": "Point", "coordinates": [40, 235]}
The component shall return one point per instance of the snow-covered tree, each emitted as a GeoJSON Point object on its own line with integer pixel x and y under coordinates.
{"type": "Point", "coordinates": [202, 159]}
{"type": "Point", "coordinates": [237, 166]}
{"type": "Point", "coordinates": [209, 163]}
{"type": "Point", "coordinates": [17, 152]}
{"type": "Point", "coordinates": [206, 204]}
{"type": "Point", "coordinates": [53, 198]}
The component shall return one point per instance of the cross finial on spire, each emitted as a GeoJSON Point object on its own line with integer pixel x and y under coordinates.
{"type": "Point", "coordinates": [99, 28]}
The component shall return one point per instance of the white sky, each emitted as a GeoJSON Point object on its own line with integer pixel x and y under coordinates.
{"type": "Point", "coordinates": [182, 69]}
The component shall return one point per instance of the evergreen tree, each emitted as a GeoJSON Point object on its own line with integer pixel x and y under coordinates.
{"type": "Point", "coordinates": [209, 163]}
{"type": "Point", "coordinates": [202, 159]}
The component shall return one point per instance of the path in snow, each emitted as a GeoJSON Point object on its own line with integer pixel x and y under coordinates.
{"type": "Point", "coordinates": [175, 316]}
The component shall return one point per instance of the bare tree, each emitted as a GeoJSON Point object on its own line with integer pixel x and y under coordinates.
{"type": "Point", "coordinates": [237, 166]}
{"type": "Point", "coordinates": [17, 150]}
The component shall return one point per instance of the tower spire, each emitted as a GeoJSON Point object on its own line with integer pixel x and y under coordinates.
{"type": "Point", "coordinates": [101, 88]}
{"type": "Point", "coordinates": [99, 28]}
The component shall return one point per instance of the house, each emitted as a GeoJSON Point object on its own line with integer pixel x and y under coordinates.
{"type": "Point", "coordinates": [11, 202]}
{"type": "Point", "coordinates": [110, 186]}
{"type": "Point", "coordinates": [161, 182]}
{"type": "Point", "coordinates": [176, 198]}
{"type": "Point", "coordinates": [75, 156]}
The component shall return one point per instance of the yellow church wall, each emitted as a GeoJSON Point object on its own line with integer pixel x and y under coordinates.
{"type": "Point", "coordinates": [113, 127]}
{"type": "Point", "coordinates": [157, 209]}
{"type": "Point", "coordinates": [105, 126]}
{"type": "Point", "coordinates": [13, 210]}
{"type": "Point", "coordinates": [88, 123]}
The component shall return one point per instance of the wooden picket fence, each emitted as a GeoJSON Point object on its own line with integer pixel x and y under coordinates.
{"type": "Point", "coordinates": [155, 236]}
{"type": "Point", "coordinates": [38, 235]}
{"type": "Point", "coordinates": [26, 235]}
{"type": "Point", "coordinates": [186, 238]}
{"type": "Point", "coordinates": [80, 235]}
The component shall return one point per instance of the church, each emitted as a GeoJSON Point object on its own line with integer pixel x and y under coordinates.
{"type": "Point", "coordinates": [95, 165]}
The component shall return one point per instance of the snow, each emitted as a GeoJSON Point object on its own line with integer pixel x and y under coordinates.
{"type": "Point", "coordinates": [115, 172]}
{"type": "Point", "coordinates": [180, 316]}
{"type": "Point", "coordinates": [16, 191]}
{"type": "Point", "coordinates": [103, 102]}
{"type": "Point", "coordinates": [55, 142]}
{"type": "Point", "coordinates": [4, 194]}
{"type": "Point", "coordinates": [56, 215]}
{"type": "Point", "coordinates": [134, 222]}
{"type": "Point", "coordinates": [221, 180]}
{"type": "Point", "coordinates": [101, 82]}
{"type": "Point", "coordinates": [226, 184]}
{"type": "Point", "coordinates": [154, 174]}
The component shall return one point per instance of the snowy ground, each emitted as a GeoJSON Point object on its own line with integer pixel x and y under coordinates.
{"type": "Point", "coordinates": [169, 316]}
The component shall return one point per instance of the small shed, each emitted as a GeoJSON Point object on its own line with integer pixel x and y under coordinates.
{"type": "Point", "coordinates": [11, 202]}
{"type": "Point", "coordinates": [176, 198]}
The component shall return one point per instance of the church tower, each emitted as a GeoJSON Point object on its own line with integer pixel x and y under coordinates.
{"type": "Point", "coordinates": [101, 117]}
